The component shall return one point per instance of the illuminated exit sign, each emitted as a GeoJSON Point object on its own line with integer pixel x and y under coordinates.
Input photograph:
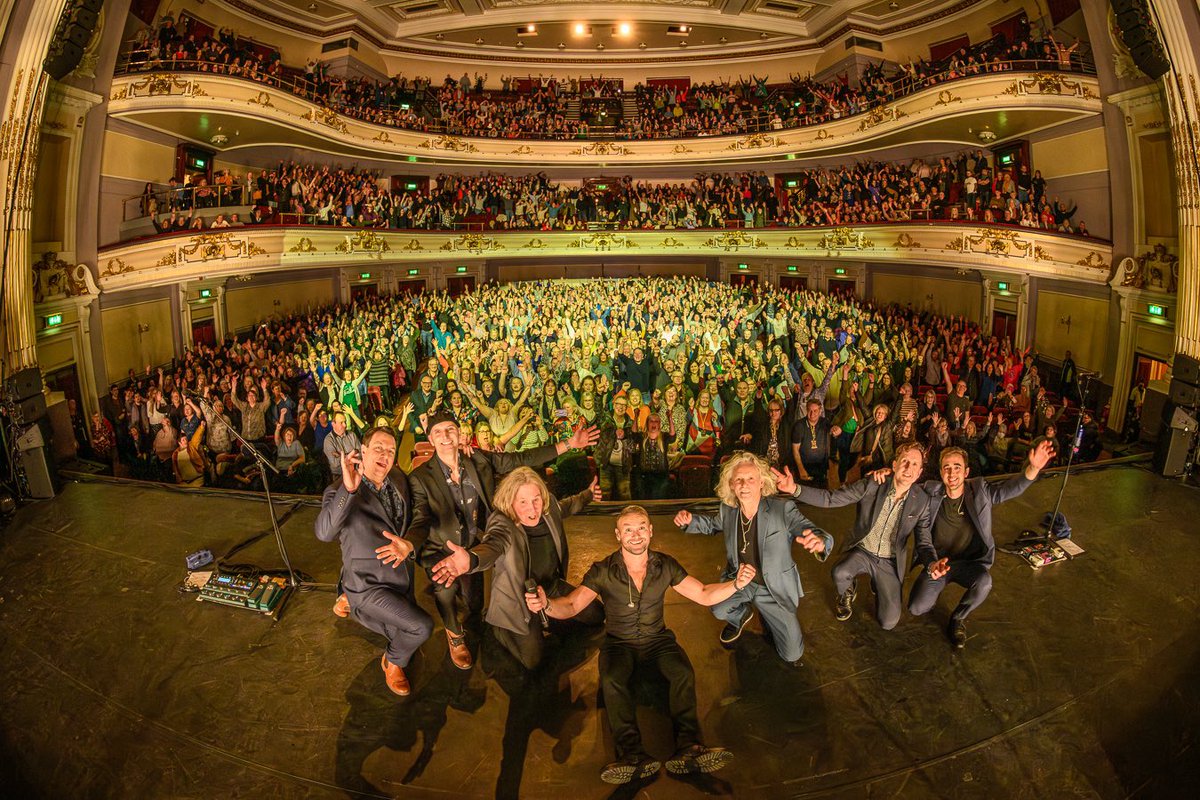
{"type": "Point", "coordinates": [1156, 310]}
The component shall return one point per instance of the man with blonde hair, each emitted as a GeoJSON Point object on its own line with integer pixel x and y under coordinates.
{"type": "Point", "coordinates": [632, 583]}
{"type": "Point", "coordinates": [749, 517]}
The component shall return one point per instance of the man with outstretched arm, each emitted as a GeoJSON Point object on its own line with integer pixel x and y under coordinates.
{"type": "Point", "coordinates": [368, 510]}
{"type": "Point", "coordinates": [961, 510]}
{"type": "Point", "coordinates": [759, 530]}
{"type": "Point", "coordinates": [889, 513]}
{"type": "Point", "coordinates": [632, 584]}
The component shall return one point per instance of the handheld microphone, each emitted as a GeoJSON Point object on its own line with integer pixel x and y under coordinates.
{"type": "Point", "coordinates": [531, 587]}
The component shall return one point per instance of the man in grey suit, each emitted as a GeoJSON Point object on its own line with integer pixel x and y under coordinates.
{"type": "Point", "coordinates": [962, 533]}
{"type": "Point", "coordinates": [452, 498]}
{"type": "Point", "coordinates": [889, 513]}
{"type": "Point", "coordinates": [759, 530]}
{"type": "Point", "coordinates": [368, 511]}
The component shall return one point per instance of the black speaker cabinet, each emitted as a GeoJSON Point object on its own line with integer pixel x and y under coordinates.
{"type": "Point", "coordinates": [24, 384]}
{"type": "Point", "coordinates": [1186, 369]}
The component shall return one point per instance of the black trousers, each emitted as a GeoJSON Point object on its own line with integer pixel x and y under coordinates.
{"type": "Point", "coordinates": [618, 660]}
{"type": "Point", "coordinates": [530, 648]}
{"type": "Point", "coordinates": [396, 616]}
{"type": "Point", "coordinates": [446, 599]}
{"type": "Point", "coordinates": [973, 577]}
{"type": "Point", "coordinates": [818, 470]}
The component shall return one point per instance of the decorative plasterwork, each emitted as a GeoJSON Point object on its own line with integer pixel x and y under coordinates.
{"type": "Point", "coordinates": [756, 141]}
{"type": "Point", "coordinates": [1052, 83]}
{"type": "Point", "coordinates": [451, 144]}
{"type": "Point", "coordinates": [1155, 270]}
{"type": "Point", "coordinates": [169, 259]}
{"type": "Point", "coordinates": [601, 149]}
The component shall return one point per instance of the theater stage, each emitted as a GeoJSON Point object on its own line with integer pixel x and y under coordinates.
{"type": "Point", "coordinates": [1079, 680]}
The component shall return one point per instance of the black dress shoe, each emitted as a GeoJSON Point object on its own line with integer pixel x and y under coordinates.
{"type": "Point", "coordinates": [845, 603]}
{"type": "Point", "coordinates": [958, 634]}
{"type": "Point", "coordinates": [731, 633]}
{"type": "Point", "coordinates": [625, 770]}
{"type": "Point", "coordinates": [698, 758]}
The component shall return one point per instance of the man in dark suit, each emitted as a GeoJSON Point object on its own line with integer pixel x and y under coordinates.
{"type": "Point", "coordinates": [759, 530]}
{"type": "Point", "coordinates": [368, 511]}
{"type": "Point", "coordinates": [889, 513]}
{"type": "Point", "coordinates": [452, 497]}
{"type": "Point", "coordinates": [961, 511]}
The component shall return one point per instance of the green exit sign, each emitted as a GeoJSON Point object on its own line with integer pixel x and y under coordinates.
{"type": "Point", "coordinates": [460, 269]}
{"type": "Point", "coordinates": [791, 268]}
{"type": "Point", "coordinates": [1002, 286]}
{"type": "Point", "coordinates": [205, 294]}
{"type": "Point", "coordinates": [53, 319]}
{"type": "Point", "coordinates": [743, 266]}
{"type": "Point", "coordinates": [411, 187]}
{"type": "Point", "coordinates": [1156, 310]}
{"type": "Point", "coordinates": [364, 276]}
{"type": "Point", "coordinates": [414, 272]}
{"type": "Point", "coordinates": [839, 271]}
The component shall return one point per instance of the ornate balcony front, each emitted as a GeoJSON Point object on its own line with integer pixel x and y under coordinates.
{"type": "Point", "coordinates": [1002, 104]}
{"type": "Point", "coordinates": [210, 254]}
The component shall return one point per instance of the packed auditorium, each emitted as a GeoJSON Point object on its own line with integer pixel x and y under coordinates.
{"type": "Point", "coordinates": [722, 398]}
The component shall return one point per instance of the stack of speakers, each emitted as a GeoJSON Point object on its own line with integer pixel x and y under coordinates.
{"type": "Point", "coordinates": [1141, 37]}
{"type": "Point", "coordinates": [1177, 444]}
{"type": "Point", "coordinates": [24, 391]}
{"type": "Point", "coordinates": [71, 37]}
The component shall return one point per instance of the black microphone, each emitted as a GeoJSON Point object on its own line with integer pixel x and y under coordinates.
{"type": "Point", "coordinates": [531, 587]}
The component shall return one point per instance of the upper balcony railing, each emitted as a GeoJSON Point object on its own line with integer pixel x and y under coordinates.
{"type": "Point", "coordinates": [406, 116]}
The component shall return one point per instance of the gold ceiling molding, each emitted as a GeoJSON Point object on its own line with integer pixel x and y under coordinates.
{"type": "Point", "coordinates": [735, 240]}
{"type": "Point", "coordinates": [54, 278]}
{"type": "Point", "coordinates": [382, 137]}
{"type": "Point", "coordinates": [793, 242]}
{"type": "Point", "coordinates": [680, 149]}
{"type": "Point", "coordinates": [115, 266]}
{"type": "Point", "coordinates": [602, 149]}
{"type": "Point", "coordinates": [946, 97]}
{"type": "Point", "coordinates": [261, 99]}
{"type": "Point", "coordinates": [365, 241]}
{"type": "Point", "coordinates": [1093, 260]}
{"type": "Point", "coordinates": [756, 141]}
{"type": "Point", "coordinates": [822, 135]}
{"type": "Point", "coordinates": [603, 241]}
{"type": "Point", "coordinates": [998, 242]}
{"type": "Point", "coordinates": [670, 241]}
{"type": "Point", "coordinates": [159, 84]}
{"type": "Point", "coordinates": [844, 239]}
{"type": "Point", "coordinates": [218, 247]}
{"type": "Point", "coordinates": [535, 244]}
{"type": "Point", "coordinates": [906, 240]}
{"type": "Point", "coordinates": [328, 117]}
{"type": "Point", "coordinates": [168, 260]}
{"type": "Point", "coordinates": [452, 144]}
{"type": "Point", "coordinates": [880, 115]}
{"type": "Point", "coordinates": [304, 245]}
{"type": "Point", "coordinates": [473, 243]}
{"type": "Point", "coordinates": [523, 150]}
{"type": "Point", "coordinates": [413, 246]}
{"type": "Point", "coordinates": [1051, 83]}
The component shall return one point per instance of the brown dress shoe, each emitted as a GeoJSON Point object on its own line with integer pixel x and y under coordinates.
{"type": "Point", "coordinates": [395, 678]}
{"type": "Point", "coordinates": [459, 654]}
{"type": "Point", "coordinates": [341, 606]}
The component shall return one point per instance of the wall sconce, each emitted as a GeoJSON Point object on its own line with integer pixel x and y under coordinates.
{"type": "Point", "coordinates": [1065, 321]}
{"type": "Point", "coordinates": [929, 297]}
{"type": "Point", "coordinates": [143, 327]}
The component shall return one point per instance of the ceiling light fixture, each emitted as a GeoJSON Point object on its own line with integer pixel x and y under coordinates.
{"type": "Point", "coordinates": [600, 46]}
{"type": "Point", "coordinates": [562, 46]}
{"type": "Point", "coordinates": [479, 40]}
{"type": "Point", "coordinates": [582, 29]}
{"type": "Point", "coordinates": [624, 29]}
{"type": "Point", "coordinates": [641, 45]}
{"type": "Point", "coordinates": [520, 45]}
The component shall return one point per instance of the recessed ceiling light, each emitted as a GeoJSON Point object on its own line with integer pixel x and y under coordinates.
{"type": "Point", "coordinates": [581, 29]}
{"type": "Point", "coordinates": [624, 29]}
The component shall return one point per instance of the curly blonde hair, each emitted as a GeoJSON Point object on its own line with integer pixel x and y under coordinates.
{"type": "Point", "coordinates": [739, 459]}
{"type": "Point", "coordinates": [506, 492]}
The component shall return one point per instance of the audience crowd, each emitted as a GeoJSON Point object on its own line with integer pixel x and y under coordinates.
{"type": "Point", "coordinates": [538, 106]}
{"type": "Point", "coordinates": [677, 373]}
{"type": "Point", "coordinates": [967, 186]}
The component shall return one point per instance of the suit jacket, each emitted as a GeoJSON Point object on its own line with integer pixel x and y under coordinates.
{"type": "Point", "coordinates": [358, 520]}
{"type": "Point", "coordinates": [434, 518]}
{"type": "Point", "coordinates": [779, 522]}
{"type": "Point", "coordinates": [504, 548]}
{"type": "Point", "coordinates": [980, 497]}
{"type": "Point", "coordinates": [915, 516]}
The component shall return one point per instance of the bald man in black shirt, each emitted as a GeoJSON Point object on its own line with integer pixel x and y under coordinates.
{"type": "Point", "coordinates": [632, 583]}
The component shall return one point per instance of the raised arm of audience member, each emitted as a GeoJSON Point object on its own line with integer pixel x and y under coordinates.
{"type": "Point", "coordinates": [523, 419]}
{"type": "Point", "coordinates": [400, 420]}
{"type": "Point", "coordinates": [473, 395]}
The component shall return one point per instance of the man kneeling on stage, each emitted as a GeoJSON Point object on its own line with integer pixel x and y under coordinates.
{"type": "Point", "coordinates": [632, 583]}
{"type": "Point", "coordinates": [369, 510]}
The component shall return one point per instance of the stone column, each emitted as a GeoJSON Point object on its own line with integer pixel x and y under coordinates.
{"type": "Point", "coordinates": [23, 85]}
{"type": "Point", "coordinates": [1179, 26]}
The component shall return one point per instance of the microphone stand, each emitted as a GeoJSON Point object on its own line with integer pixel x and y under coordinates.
{"type": "Point", "coordinates": [1086, 380]}
{"type": "Point", "coordinates": [264, 465]}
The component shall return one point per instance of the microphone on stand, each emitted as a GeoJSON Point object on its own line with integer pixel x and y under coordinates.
{"type": "Point", "coordinates": [531, 587]}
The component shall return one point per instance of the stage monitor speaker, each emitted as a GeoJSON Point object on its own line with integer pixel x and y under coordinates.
{"type": "Point", "coordinates": [1184, 394]}
{"type": "Point", "coordinates": [24, 384]}
{"type": "Point", "coordinates": [33, 408]}
{"type": "Point", "coordinates": [1178, 444]}
{"type": "Point", "coordinates": [37, 473]}
{"type": "Point", "coordinates": [1186, 369]}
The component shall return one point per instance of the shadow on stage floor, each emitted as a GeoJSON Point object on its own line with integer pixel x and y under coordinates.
{"type": "Point", "coordinates": [1082, 679]}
